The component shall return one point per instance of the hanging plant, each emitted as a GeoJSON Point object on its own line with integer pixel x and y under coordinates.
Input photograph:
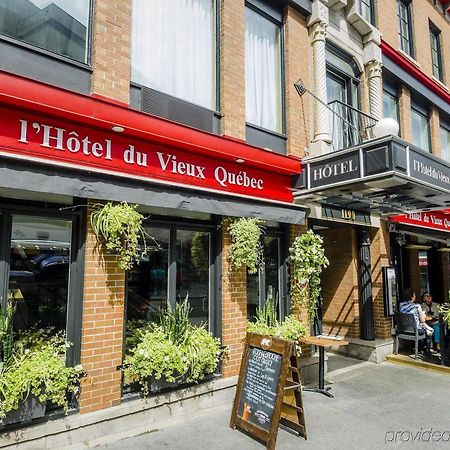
{"type": "Point", "coordinates": [246, 248]}
{"type": "Point", "coordinates": [120, 228]}
{"type": "Point", "coordinates": [308, 258]}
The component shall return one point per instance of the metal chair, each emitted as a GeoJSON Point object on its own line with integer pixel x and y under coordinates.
{"type": "Point", "coordinates": [406, 328]}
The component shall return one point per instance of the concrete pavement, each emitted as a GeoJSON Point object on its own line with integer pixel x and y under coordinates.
{"type": "Point", "coordinates": [375, 407]}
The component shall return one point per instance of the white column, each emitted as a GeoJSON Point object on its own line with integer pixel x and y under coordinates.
{"type": "Point", "coordinates": [375, 89]}
{"type": "Point", "coordinates": [321, 112]}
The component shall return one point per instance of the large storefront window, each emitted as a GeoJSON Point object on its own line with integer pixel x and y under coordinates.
{"type": "Point", "coordinates": [177, 266]}
{"type": "Point", "coordinates": [193, 263]}
{"type": "Point", "coordinates": [173, 48]}
{"type": "Point", "coordinates": [269, 282]}
{"type": "Point", "coordinates": [59, 26]}
{"type": "Point", "coordinates": [39, 271]}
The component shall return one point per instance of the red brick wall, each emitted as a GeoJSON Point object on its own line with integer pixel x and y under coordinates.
{"type": "Point", "coordinates": [379, 251]}
{"type": "Point", "coordinates": [102, 327]}
{"type": "Point", "coordinates": [340, 282]}
{"type": "Point", "coordinates": [234, 308]}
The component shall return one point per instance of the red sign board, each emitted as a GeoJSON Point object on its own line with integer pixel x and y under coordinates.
{"type": "Point", "coordinates": [62, 143]}
{"type": "Point", "coordinates": [436, 220]}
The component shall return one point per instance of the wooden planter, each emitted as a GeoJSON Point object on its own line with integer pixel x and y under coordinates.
{"type": "Point", "coordinates": [31, 408]}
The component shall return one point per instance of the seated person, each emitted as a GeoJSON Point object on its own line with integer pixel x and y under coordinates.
{"type": "Point", "coordinates": [428, 309]}
{"type": "Point", "coordinates": [409, 306]}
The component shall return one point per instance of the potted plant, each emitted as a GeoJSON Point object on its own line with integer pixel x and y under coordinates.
{"type": "Point", "coordinates": [246, 249]}
{"type": "Point", "coordinates": [34, 374]}
{"type": "Point", "coordinates": [308, 258]}
{"type": "Point", "coordinates": [119, 228]}
{"type": "Point", "coordinates": [266, 323]}
{"type": "Point", "coordinates": [172, 352]}
{"type": "Point", "coordinates": [6, 333]}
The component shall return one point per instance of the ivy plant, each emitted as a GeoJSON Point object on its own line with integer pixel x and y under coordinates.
{"type": "Point", "coordinates": [120, 228]}
{"type": "Point", "coordinates": [308, 258]}
{"type": "Point", "coordinates": [173, 349]}
{"type": "Point", "coordinates": [246, 249]}
{"type": "Point", "coordinates": [38, 367]}
{"type": "Point", "coordinates": [6, 332]}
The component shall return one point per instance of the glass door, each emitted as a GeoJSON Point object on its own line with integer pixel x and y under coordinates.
{"type": "Point", "coordinates": [337, 98]}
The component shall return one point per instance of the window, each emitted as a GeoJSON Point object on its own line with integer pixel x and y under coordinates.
{"type": "Point", "coordinates": [174, 48]}
{"type": "Point", "coordinates": [421, 130]}
{"type": "Point", "coordinates": [404, 26]}
{"type": "Point", "coordinates": [390, 106]}
{"type": "Point", "coordinates": [445, 143]}
{"type": "Point", "coordinates": [59, 26]}
{"type": "Point", "coordinates": [367, 10]}
{"type": "Point", "coordinates": [178, 265]}
{"type": "Point", "coordinates": [270, 281]}
{"type": "Point", "coordinates": [436, 53]}
{"type": "Point", "coordinates": [343, 98]}
{"type": "Point", "coordinates": [263, 97]}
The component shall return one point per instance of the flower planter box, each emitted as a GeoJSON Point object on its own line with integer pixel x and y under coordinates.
{"type": "Point", "coordinates": [32, 408]}
{"type": "Point", "coordinates": [156, 386]}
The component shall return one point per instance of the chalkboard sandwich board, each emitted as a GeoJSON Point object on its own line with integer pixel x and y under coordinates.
{"type": "Point", "coordinates": [260, 390]}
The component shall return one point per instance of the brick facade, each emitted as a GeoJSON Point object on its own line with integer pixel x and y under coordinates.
{"type": "Point", "coordinates": [234, 307]}
{"type": "Point", "coordinates": [102, 326]}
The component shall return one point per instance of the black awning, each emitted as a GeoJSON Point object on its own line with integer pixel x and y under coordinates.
{"type": "Point", "coordinates": [33, 177]}
{"type": "Point", "coordinates": [385, 175]}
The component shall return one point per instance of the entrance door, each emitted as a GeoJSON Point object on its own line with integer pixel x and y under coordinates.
{"type": "Point", "coordinates": [337, 97]}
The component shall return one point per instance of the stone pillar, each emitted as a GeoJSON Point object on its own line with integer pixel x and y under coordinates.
{"type": "Point", "coordinates": [318, 25]}
{"type": "Point", "coordinates": [375, 89]}
{"type": "Point", "coordinates": [404, 103]}
{"type": "Point", "coordinates": [372, 61]}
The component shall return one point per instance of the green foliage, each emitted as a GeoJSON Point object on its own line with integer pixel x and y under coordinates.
{"type": "Point", "coordinates": [266, 323]}
{"type": "Point", "coordinates": [200, 251]}
{"type": "Point", "coordinates": [6, 332]}
{"type": "Point", "coordinates": [120, 227]}
{"type": "Point", "coordinates": [445, 309]}
{"type": "Point", "coordinates": [38, 368]}
{"type": "Point", "coordinates": [172, 350]}
{"type": "Point", "coordinates": [308, 257]}
{"type": "Point", "coordinates": [246, 249]}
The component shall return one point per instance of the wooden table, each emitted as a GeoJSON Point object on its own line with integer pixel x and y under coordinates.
{"type": "Point", "coordinates": [322, 342]}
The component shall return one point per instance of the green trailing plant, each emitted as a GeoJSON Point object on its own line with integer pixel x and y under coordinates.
{"type": "Point", "coordinates": [445, 309]}
{"type": "Point", "coordinates": [246, 249]}
{"type": "Point", "coordinates": [120, 228]}
{"type": "Point", "coordinates": [266, 323]}
{"type": "Point", "coordinates": [308, 258]}
{"type": "Point", "coordinates": [172, 350]}
{"type": "Point", "coordinates": [6, 332]}
{"type": "Point", "coordinates": [38, 368]}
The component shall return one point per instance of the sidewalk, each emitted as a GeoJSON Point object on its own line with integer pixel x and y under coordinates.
{"type": "Point", "coordinates": [375, 407]}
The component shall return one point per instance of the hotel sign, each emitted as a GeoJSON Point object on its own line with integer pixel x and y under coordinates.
{"type": "Point", "coordinates": [67, 144]}
{"type": "Point", "coordinates": [424, 168]}
{"type": "Point", "coordinates": [436, 220]}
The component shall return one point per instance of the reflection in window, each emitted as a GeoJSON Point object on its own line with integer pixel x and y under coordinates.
{"type": "Point", "coordinates": [445, 144]}
{"type": "Point", "coordinates": [390, 106]}
{"type": "Point", "coordinates": [423, 268]}
{"type": "Point", "coordinates": [59, 26]}
{"type": "Point", "coordinates": [265, 283]}
{"type": "Point", "coordinates": [147, 281]}
{"type": "Point", "coordinates": [421, 130]}
{"type": "Point", "coordinates": [174, 47]}
{"type": "Point", "coordinates": [39, 271]}
{"type": "Point", "coordinates": [193, 272]}
{"type": "Point", "coordinates": [262, 72]}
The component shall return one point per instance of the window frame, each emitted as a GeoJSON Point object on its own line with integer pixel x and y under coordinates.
{"type": "Point", "coordinates": [397, 107]}
{"type": "Point", "coordinates": [216, 110]}
{"type": "Point", "coordinates": [420, 111]}
{"type": "Point", "coordinates": [405, 6]}
{"type": "Point", "coordinates": [214, 308]}
{"type": "Point", "coordinates": [446, 128]}
{"type": "Point", "coordinates": [370, 4]}
{"type": "Point", "coordinates": [50, 54]}
{"type": "Point", "coordinates": [280, 25]}
{"type": "Point", "coordinates": [76, 266]}
{"type": "Point", "coordinates": [435, 36]}
{"type": "Point", "coordinates": [284, 303]}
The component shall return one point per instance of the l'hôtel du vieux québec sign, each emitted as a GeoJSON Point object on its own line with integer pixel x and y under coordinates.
{"type": "Point", "coordinates": [65, 144]}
